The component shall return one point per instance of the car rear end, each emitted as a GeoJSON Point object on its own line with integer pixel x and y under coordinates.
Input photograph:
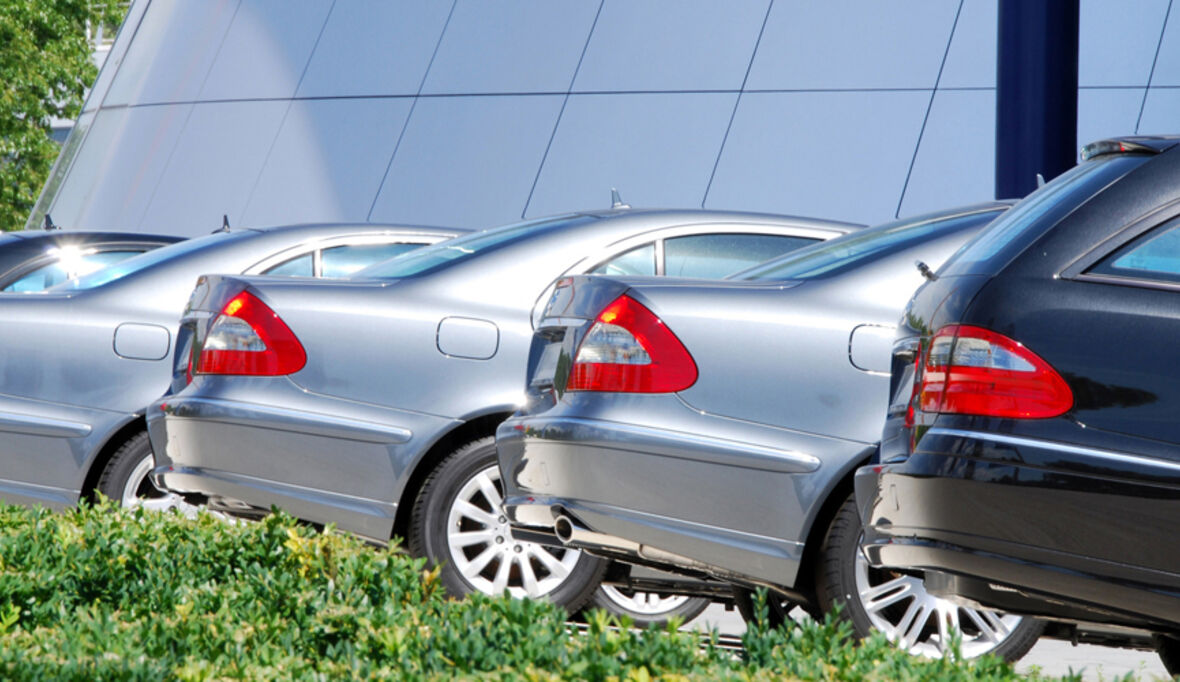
{"type": "Point", "coordinates": [997, 473]}
{"type": "Point", "coordinates": [238, 429]}
{"type": "Point", "coordinates": [607, 448]}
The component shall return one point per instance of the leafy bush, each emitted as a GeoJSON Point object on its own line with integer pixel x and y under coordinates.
{"type": "Point", "coordinates": [45, 68]}
{"type": "Point", "coordinates": [105, 593]}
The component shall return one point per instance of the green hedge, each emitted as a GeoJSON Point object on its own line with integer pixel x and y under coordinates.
{"type": "Point", "coordinates": [103, 593]}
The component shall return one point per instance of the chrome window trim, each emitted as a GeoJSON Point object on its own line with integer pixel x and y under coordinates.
{"type": "Point", "coordinates": [1059, 447]}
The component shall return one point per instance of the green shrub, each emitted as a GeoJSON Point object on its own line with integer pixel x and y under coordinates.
{"type": "Point", "coordinates": [104, 593]}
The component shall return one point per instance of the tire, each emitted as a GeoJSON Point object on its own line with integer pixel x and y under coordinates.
{"type": "Point", "coordinates": [460, 503]}
{"type": "Point", "coordinates": [646, 609]}
{"type": "Point", "coordinates": [124, 479]}
{"type": "Point", "coordinates": [1169, 651]}
{"type": "Point", "coordinates": [845, 579]}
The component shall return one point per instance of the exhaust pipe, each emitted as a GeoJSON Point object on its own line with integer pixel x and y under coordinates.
{"type": "Point", "coordinates": [571, 532]}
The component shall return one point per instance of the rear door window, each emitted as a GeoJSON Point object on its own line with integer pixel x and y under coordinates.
{"type": "Point", "coordinates": [342, 261]}
{"type": "Point", "coordinates": [714, 256]}
{"type": "Point", "coordinates": [1154, 256]}
{"type": "Point", "coordinates": [69, 263]}
{"type": "Point", "coordinates": [640, 260]}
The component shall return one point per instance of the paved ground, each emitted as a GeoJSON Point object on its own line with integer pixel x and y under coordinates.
{"type": "Point", "coordinates": [1052, 657]}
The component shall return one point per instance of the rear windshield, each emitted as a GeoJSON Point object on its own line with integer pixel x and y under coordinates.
{"type": "Point", "coordinates": [852, 250]}
{"type": "Point", "coordinates": [1032, 217]}
{"type": "Point", "coordinates": [142, 262]}
{"type": "Point", "coordinates": [436, 256]}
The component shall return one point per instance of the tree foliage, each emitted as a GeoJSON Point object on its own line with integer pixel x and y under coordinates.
{"type": "Point", "coordinates": [45, 69]}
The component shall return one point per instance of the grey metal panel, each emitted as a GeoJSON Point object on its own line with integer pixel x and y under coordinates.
{"type": "Point", "coordinates": [114, 58]}
{"type": "Point", "coordinates": [266, 49]}
{"type": "Point", "coordinates": [657, 149]}
{"type": "Point", "coordinates": [327, 161]}
{"type": "Point", "coordinates": [956, 158]}
{"type": "Point", "coordinates": [1117, 41]}
{"type": "Point", "coordinates": [819, 154]}
{"type": "Point", "coordinates": [971, 60]}
{"type": "Point", "coordinates": [467, 161]}
{"type": "Point", "coordinates": [214, 167]}
{"type": "Point", "coordinates": [1167, 63]}
{"type": "Point", "coordinates": [524, 46]}
{"type": "Point", "coordinates": [671, 45]}
{"type": "Point", "coordinates": [118, 167]}
{"type": "Point", "coordinates": [1161, 111]}
{"type": "Point", "coordinates": [393, 40]}
{"type": "Point", "coordinates": [852, 44]}
{"type": "Point", "coordinates": [1106, 112]}
{"type": "Point", "coordinates": [172, 51]}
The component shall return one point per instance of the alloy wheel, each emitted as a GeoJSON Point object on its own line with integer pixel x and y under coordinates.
{"type": "Point", "coordinates": [486, 555]}
{"type": "Point", "coordinates": [899, 606]}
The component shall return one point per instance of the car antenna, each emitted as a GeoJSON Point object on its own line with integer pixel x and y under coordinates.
{"type": "Point", "coordinates": [616, 201]}
{"type": "Point", "coordinates": [224, 223]}
{"type": "Point", "coordinates": [49, 223]}
{"type": "Point", "coordinates": [925, 270]}
{"type": "Point", "coordinates": [1040, 181]}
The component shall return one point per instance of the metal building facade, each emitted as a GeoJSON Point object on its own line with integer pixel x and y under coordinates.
{"type": "Point", "coordinates": [480, 112]}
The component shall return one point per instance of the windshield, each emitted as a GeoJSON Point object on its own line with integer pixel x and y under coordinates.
{"type": "Point", "coordinates": [437, 256]}
{"type": "Point", "coordinates": [843, 253]}
{"type": "Point", "coordinates": [142, 262]}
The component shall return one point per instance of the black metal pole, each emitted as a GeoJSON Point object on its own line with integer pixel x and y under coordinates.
{"type": "Point", "coordinates": [1036, 92]}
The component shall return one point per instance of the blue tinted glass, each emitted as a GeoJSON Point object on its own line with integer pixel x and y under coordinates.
{"type": "Point", "coordinates": [1156, 257]}
{"type": "Point", "coordinates": [342, 261]}
{"type": "Point", "coordinates": [461, 248]}
{"type": "Point", "coordinates": [1036, 213]}
{"type": "Point", "coordinates": [716, 255]}
{"type": "Point", "coordinates": [638, 261]}
{"type": "Point", "coordinates": [71, 262]}
{"type": "Point", "coordinates": [300, 266]}
{"type": "Point", "coordinates": [858, 248]}
{"type": "Point", "coordinates": [148, 260]}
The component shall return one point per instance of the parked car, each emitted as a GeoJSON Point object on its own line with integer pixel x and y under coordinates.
{"type": "Point", "coordinates": [378, 410]}
{"type": "Point", "coordinates": [713, 427]}
{"type": "Point", "coordinates": [34, 260]}
{"type": "Point", "coordinates": [80, 363]}
{"type": "Point", "coordinates": [1031, 460]}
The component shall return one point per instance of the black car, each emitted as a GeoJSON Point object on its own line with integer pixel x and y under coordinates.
{"type": "Point", "coordinates": [1031, 460]}
{"type": "Point", "coordinates": [34, 260]}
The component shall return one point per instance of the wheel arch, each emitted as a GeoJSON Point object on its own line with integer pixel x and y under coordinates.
{"type": "Point", "coordinates": [471, 429]}
{"type": "Point", "coordinates": [121, 435]}
{"type": "Point", "coordinates": [832, 500]}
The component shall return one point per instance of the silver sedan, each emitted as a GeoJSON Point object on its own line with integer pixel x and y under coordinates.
{"type": "Point", "coordinates": [372, 403]}
{"type": "Point", "coordinates": [79, 363]}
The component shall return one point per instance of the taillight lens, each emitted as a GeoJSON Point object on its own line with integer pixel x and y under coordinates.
{"type": "Point", "coordinates": [249, 338]}
{"type": "Point", "coordinates": [630, 350]}
{"type": "Point", "coordinates": [972, 370]}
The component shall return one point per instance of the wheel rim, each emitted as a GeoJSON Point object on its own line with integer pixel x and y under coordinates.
{"type": "Point", "coordinates": [645, 603]}
{"type": "Point", "coordinates": [900, 607]}
{"type": "Point", "coordinates": [485, 554]}
{"type": "Point", "coordinates": [139, 491]}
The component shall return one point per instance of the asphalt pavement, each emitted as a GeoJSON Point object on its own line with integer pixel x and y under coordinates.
{"type": "Point", "coordinates": [1051, 657]}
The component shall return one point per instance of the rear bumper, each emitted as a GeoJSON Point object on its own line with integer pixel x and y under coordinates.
{"type": "Point", "coordinates": [316, 464]}
{"type": "Point", "coordinates": [1048, 529]}
{"type": "Point", "coordinates": [669, 498]}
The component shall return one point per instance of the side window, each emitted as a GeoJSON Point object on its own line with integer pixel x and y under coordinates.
{"type": "Point", "coordinates": [1155, 255]}
{"type": "Point", "coordinates": [640, 260]}
{"type": "Point", "coordinates": [67, 265]}
{"type": "Point", "coordinates": [299, 266]}
{"type": "Point", "coordinates": [342, 261]}
{"type": "Point", "coordinates": [716, 255]}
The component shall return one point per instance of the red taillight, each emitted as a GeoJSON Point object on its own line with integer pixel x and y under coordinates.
{"type": "Point", "coordinates": [971, 370]}
{"type": "Point", "coordinates": [249, 338]}
{"type": "Point", "coordinates": [630, 350]}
